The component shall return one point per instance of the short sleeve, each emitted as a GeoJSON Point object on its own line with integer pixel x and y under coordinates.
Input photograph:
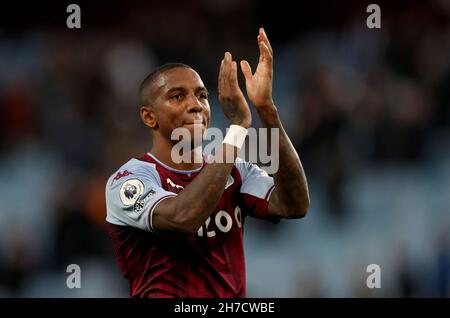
{"type": "Point", "coordinates": [257, 186]}
{"type": "Point", "coordinates": [132, 194]}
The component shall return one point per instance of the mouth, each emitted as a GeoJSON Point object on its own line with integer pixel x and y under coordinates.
{"type": "Point", "coordinates": [196, 122]}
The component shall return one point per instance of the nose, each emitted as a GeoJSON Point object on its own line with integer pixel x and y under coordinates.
{"type": "Point", "coordinates": [194, 105]}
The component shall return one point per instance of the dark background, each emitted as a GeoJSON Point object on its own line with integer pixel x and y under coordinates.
{"type": "Point", "coordinates": [367, 110]}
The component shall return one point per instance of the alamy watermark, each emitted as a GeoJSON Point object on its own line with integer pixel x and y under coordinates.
{"type": "Point", "coordinates": [73, 20]}
{"type": "Point", "coordinates": [74, 278]}
{"type": "Point", "coordinates": [262, 147]}
{"type": "Point", "coordinates": [374, 279]}
{"type": "Point", "coordinates": [373, 21]}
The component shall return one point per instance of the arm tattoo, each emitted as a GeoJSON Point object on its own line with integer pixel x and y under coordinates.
{"type": "Point", "coordinates": [291, 187]}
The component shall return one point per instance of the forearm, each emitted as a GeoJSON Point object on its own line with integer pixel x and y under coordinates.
{"type": "Point", "coordinates": [191, 207]}
{"type": "Point", "coordinates": [290, 198]}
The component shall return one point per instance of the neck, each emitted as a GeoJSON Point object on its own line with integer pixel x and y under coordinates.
{"type": "Point", "coordinates": [162, 151]}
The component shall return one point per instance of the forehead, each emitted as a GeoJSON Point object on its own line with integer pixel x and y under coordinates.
{"type": "Point", "coordinates": [178, 77]}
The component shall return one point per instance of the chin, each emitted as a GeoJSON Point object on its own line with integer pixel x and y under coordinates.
{"type": "Point", "coordinates": [192, 136]}
{"type": "Point", "coordinates": [196, 129]}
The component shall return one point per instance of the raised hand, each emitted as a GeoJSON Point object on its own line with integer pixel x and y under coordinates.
{"type": "Point", "coordinates": [259, 85]}
{"type": "Point", "coordinates": [231, 99]}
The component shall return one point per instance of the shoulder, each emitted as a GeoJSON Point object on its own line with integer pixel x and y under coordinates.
{"type": "Point", "coordinates": [255, 181]}
{"type": "Point", "coordinates": [130, 191]}
{"type": "Point", "coordinates": [247, 169]}
{"type": "Point", "coordinates": [134, 169]}
{"type": "Point", "coordinates": [135, 175]}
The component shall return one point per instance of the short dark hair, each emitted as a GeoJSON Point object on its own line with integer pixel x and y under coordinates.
{"type": "Point", "coordinates": [151, 78]}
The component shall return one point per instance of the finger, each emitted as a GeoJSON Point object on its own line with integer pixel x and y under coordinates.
{"type": "Point", "coordinates": [227, 70]}
{"type": "Point", "coordinates": [264, 37]}
{"type": "Point", "coordinates": [227, 64]}
{"type": "Point", "coordinates": [228, 59]}
{"type": "Point", "coordinates": [246, 70]}
{"type": "Point", "coordinates": [264, 53]}
{"type": "Point", "coordinates": [221, 78]}
{"type": "Point", "coordinates": [233, 75]}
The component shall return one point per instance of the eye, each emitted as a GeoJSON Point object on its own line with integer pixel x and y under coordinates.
{"type": "Point", "coordinates": [177, 97]}
{"type": "Point", "coordinates": [203, 96]}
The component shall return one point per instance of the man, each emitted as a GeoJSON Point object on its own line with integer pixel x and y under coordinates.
{"type": "Point", "coordinates": [177, 228]}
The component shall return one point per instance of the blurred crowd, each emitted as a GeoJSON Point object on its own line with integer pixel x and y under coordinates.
{"type": "Point", "coordinates": [367, 109]}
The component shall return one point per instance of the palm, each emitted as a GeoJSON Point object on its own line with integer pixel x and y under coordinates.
{"type": "Point", "coordinates": [259, 87]}
{"type": "Point", "coordinates": [231, 99]}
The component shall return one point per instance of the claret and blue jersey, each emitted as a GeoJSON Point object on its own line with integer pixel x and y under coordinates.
{"type": "Point", "coordinates": [209, 263]}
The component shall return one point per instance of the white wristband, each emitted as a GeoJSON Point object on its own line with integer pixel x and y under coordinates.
{"type": "Point", "coordinates": [235, 136]}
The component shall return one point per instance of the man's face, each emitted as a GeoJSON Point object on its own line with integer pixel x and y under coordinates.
{"type": "Point", "coordinates": [180, 99]}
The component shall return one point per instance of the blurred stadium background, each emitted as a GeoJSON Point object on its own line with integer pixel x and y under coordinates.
{"type": "Point", "coordinates": [368, 111]}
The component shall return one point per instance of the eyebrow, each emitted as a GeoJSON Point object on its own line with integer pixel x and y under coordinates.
{"type": "Point", "coordinates": [183, 89]}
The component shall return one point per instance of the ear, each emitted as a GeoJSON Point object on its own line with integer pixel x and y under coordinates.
{"type": "Point", "coordinates": [148, 117]}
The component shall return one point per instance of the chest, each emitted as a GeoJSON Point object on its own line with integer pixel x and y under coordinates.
{"type": "Point", "coordinates": [226, 217]}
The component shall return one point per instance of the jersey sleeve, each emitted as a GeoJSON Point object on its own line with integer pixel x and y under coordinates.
{"type": "Point", "coordinates": [133, 193]}
{"type": "Point", "coordinates": [256, 188]}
